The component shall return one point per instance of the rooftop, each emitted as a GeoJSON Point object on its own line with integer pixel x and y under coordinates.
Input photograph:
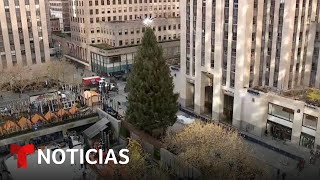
{"type": "Point", "coordinates": [103, 46]}
{"type": "Point", "coordinates": [63, 35]}
{"type": "Point", "coordinates": [109, 47]}
{"type": "Point", "coordinates": [310, 96]}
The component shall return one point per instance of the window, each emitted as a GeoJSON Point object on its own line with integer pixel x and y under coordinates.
{"type": "Point", "coordinates": [310, 121]}
{"type": "Point", "coordinates": [281, 112]}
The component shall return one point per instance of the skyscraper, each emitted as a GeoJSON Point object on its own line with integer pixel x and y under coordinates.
{"type": "Point", "coordinates": [60, 9]}
{"type": "Point", "coordinates": [239, 58]}
{"type": "Point", "coordinates": [23, 33]}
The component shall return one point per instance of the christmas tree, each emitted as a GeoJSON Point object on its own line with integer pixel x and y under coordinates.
{"type": "Point", "coordinates": [152, 103]}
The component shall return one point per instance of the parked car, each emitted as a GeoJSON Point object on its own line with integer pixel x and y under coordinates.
{"type": "Point", "coordinates": [118, 75]}
{"type": "Point", "coordinates": [113, 87]}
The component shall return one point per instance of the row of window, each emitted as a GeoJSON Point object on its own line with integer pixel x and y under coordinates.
{"type": "Point", "coordinates": [124, 17]}
{"type": "Point", "coordinates": [131, 9]}
{"type": "Point", "coordinates": [125, 42]}
{"type": "Point", "coordinates": [133, 30]}
{"type": "Point", "coordinates": [154, 9]}
{"type": "Point", "coordinates": [119, 2]}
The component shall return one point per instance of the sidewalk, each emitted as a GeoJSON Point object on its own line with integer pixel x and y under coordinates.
{"type": "Point", "coordinates": [277, 155]}
{"type": "Point", "coordinates": [281, 161]}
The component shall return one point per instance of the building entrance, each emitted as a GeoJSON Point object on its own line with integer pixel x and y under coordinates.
{"type": "Point", "coordinates": [307, 140]}
{"type": "Point", "coordinates": [227, 109]}
{"type": "Point", "coordinates": [279, 131]}
{"type": "Point", "coordinates": [208, 100]}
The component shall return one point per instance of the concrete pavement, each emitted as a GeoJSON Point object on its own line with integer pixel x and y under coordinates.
{"type": "Point", "coordinates": [279, 161]}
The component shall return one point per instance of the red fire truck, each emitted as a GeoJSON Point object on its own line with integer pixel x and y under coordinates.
{"type": "Point", "coordinates": [91, 81]}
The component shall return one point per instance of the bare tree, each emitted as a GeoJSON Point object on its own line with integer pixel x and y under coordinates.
{"type": "Point", "coordinates": [62, 71]}
{"type": "Point", "coordinates": [18, 78]}
{"type": "Point", "coordinates": [3, 79]}
{"type": "Point", "coordinates": [38, 77]}
{"type": "Point", "coordinates": [216, 152]}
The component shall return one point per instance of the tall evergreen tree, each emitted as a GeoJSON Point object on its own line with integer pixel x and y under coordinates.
{"type": "Point", "coordinates": [152, 103]}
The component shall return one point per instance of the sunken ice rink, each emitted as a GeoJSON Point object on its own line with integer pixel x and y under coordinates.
{"type": "Point", "coordinates": [65, 171]}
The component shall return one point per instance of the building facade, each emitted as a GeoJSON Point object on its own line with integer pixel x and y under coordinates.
{"type": "Point", "coordinates": [231, 49]}
{"type": "Point", "coordinates": [60, 9]}
{"type": "Point", "coordinates": [108, 61]}
{"type": "Point", "coordinates": [121, 41]}
{"type": "Point", "coordinates": [89, 18]}
{"type": "Point", "coordinates": [55, 25]}
{"type": "Point", "coordinates": [23, 33]}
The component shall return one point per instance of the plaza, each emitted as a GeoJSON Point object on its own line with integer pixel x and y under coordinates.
{"type": "Point", "coordinates": [51, 171]}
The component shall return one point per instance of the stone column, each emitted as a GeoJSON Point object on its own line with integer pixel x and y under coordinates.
{"type": "Point", "coordinates": [199, 94]}
{"type": "Point", "coordinates": [242, 64]}
{"type": "Point", "coordinates": [297, 125]}
{"type": "Point", "coordinates": [217, 95]}
{"type": "Point", "coordinates": [317, 138]}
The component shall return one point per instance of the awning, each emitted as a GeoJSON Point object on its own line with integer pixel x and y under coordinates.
{"type": "Point", "coordinates": [96, 128]}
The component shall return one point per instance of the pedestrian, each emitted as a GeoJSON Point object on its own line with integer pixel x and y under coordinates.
{"type": "Point", "coordinates": [283, 175]}
{"type": "Point", "coordinates": [310, 160]}
{"type": "Point", "coordinates": [278, 173]}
